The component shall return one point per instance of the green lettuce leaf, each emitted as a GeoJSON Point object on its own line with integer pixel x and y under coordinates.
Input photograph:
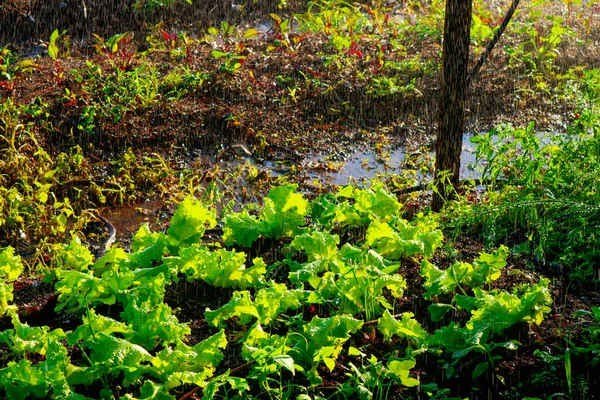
{"type": "Point", "coordinates": [116, 356]}
{"type": "Point", "coordinates": [317, 245]}
{"type": "Point", "coordinates": [147, 247]}
{"type": "Point", "coordinates": [451, 337]}
{"type": "Point", "coordinates": [21, 380]}
{"type": "Point", "coordinates": [499, 310]}
{"type": "Point", "coordinates": [283, 212]}
{"type": "Point", "coordinates": [10, 265]}
{"type": "Point", "coordinates": [152, 324]}
{"type": "Point", "coordinates": [240, 228]}
{"type": "Point", "coordinates": [326, 337]}
{"type": "Point", "coordinates": [407, 327]}
{"type": "Point", "coordinates": [239, 306]}
{"type": "Point", "coordinates": [276, 299]}
{"type": "Point", "coordinates": [438, 310]}
{"type": "Point", "coordinates": [152, 391]}
{"type": "Point", "coordinates": [323, 209]}
{"type": "Point", "coordinates": [95, 323]}
{"type": "Point", "coordinates": [74, 256]}
{"type": "Point", "coordinates": [390, 244]}
{"type": "Point", "coordinates": [269, 352]}
{"type": "Point", "coordinates": [484, 270]}
{"type": "Point", "coordinates": [6, 296]}
{"type": "Point", "coordinates": [331, 331]}
{"type": "Point", "coordinates": [189, 222]}
{"type": "Point", "coordinates": [189, 365]}
{"type": "Point", "coordinates": [368, 205]}
{"type": "Point", "coordinates": [219, 268]}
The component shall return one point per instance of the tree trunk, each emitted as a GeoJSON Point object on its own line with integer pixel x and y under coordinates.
{"type": "Point", "coordinates": [455, 62]}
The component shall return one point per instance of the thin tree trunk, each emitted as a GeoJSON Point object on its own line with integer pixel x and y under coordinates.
{"type": "Point", "coordinates": [455, 62]}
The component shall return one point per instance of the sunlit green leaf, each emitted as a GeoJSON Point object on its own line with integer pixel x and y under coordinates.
{"type": "Point", "coordinates": [240, 228]}
{"type": "Point", "coordinates": [147, 247]}
{"type": "Point", "coordinates": [239, 306]}
{"type": "Point", "coordinates": [407, 327]}
{"type": "Point", "coordinates": [276, 299]}
{"type": "Point", "coordinates": [400, 370]}
{"type": "Point", "coordinates": [151, 391]}
{"type": "Point", "coordinates": [283, 212]}
{"type": "Point", "coordinates": [189, 222]}
{"type": "Point", "coordinates": [220, 268]}
{"type": "Point", "coordinates": [75, 256]}
{"type": "Point", "coordinates": [317, 245]}
{"type": "Point", "coordinates": [10, 264]}
{"type": "Point", "coordinates": [250, 33]}
{"type": "Point", "coordinates": [235, 383]}
{"type": "Point", "coordinates": [285, 361]}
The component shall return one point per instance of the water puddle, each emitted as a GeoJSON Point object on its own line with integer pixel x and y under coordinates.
{"type": "Point", "coordinates": [366, 164]}
{"type": "Point", "coordinates": [128, 218]}
{"type": "Point", "coordinates": [314, 171]}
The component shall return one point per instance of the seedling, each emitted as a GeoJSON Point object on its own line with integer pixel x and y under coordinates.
{"type": "Point", "coordinates": [281, 37]}
{"type": "Point", "coordinates": [116, 49]}
{"type": "Point", "coordinates": [6, 72]}
{"type": "Point", "coordinates": [57, 47]}
{"type": "Point", "coordinates": [150, 5]}
{"type": "Point", "coordinates": [233, 53]}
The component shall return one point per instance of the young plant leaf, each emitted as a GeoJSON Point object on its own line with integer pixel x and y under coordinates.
{"type": "Point", "coordinates": [407, 327]}
{"type": "Point", "coordinates": [10, 264]}
{"type": "Point", "coordinates": [400, 370]}
{"type": "Point", "coordinates": [189, 222]}
{"type": "Point", "coordinates": [438, 310]}
{"type": "Point", "coordinates": [285, 361]}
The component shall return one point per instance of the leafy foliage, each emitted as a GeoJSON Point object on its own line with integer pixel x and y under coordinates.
{"type": "Point", "coordinates": [406, 327]}
{"type": "Point", "coordinates": [282, 215]}
{"type": "Point", "coordinates": [338, 259]}
{"type": "Point", "coordinates": [554, 203]}
{"type": "Point", "coordinates": [353, 282]}
{"type": "Point", "coordinates": [188, 223]}
{"type": "Point", "coordinates": [484, 270]}
{"type": "Point", "coordinates": [10, 269]}
{"type": "Point", "coordinates": [220, 268]}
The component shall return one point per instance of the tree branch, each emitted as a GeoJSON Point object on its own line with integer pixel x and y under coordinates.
{"type": "Point", "coordinates": [492, 43]}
